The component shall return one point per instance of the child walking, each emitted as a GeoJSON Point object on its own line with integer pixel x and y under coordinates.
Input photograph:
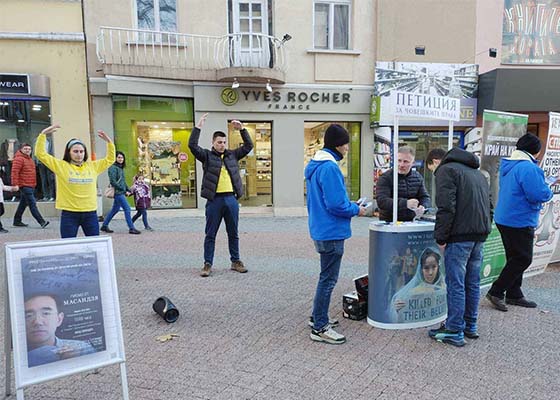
{"type": "Point", "coordinates": [2, 189]}
{"type": "Point", "coordinates": [142, 200]}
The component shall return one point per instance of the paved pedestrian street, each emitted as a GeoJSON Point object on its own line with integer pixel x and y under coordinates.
{"type": "Point", "coordinates": [245, 336]}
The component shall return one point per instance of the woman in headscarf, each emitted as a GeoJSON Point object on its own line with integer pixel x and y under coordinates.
{"type": "Point", "coordinates": [424, 297]}
{"type": "Point", "coordinates": [118, 182]}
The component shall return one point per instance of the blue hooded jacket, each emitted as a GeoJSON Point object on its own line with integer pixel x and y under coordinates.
{"type": "Point", "coordinates": [522, 191]}
{"type": "Point", "coordinates": [328, 205]}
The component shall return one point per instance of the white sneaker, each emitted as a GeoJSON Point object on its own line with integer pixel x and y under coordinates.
{"type": "Point", "coordinates": [333, 322]}
{"type": "Point", "coordinates": [327, 335]}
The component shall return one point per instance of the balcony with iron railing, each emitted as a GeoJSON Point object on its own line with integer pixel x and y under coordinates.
{"type": "Point", "coordinates": [247, 57]}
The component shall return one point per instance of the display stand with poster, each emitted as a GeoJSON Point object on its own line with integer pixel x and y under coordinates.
{"type": "Point", "coordinates": [62, 313]}
{"type": "Point", "coordinates": [404, 295]}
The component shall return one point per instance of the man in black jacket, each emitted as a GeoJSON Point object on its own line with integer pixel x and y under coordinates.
{"type": "Point", "coordinates": [413, 197]}
{"type": "Point", "coordinates": [221, 187]}
{"type": "Point", "coordinates": [463, 222]}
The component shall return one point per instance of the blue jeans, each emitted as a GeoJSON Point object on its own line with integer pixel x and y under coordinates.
{"type": "Point", "coordinates": [70, 221]}
{"type": "Point", "coordinates": [331, 252]}
{"type": "Point", "coordinates": [227, 208]}
{"type": "Point", "coordinates": [462, 277]}
{"type": "Point", "coordinates": [144, 213]}
{"type": "Point", "coordinates": [119, 202]}
{"type": "Point", "coordinates": [27, 199]}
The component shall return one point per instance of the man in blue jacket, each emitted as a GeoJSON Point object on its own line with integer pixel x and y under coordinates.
{"type": "Point", "coordinates": [330, 212]}
{"type": "Point", "coordinates": [522, 191]}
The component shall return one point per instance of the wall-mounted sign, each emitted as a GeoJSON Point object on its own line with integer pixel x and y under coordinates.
{"type": "Point", "coordinates": [530, 32]}
{"type": "Point", "coordinates": [416, 105]}
{"type": "Point", "coordinates": [229, 96]}
{"type": "Point", "coordinates": [458, 81]}
{"type": "Point", "coordinates": [14, 84]}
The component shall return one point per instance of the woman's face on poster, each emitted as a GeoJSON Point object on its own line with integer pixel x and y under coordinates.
{"type": "Point", "coordinates": [430, 269]}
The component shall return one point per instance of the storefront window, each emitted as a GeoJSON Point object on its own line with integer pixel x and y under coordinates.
{"type": "Point", "coordinates": [21, 120]}
{"type": "Point", "coordinates": [349, 165]}
{"type": "Point", "coordinates": [256, 168]}
{"type": "Point", "coordinates": [154, 133]}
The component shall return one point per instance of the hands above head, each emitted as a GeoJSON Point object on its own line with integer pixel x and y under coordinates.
{"type": "Point", "coordinates": [50, 129]}
{"type": "Point", "coordinates": [237, 124]}
{"type": "Point", "coordinates": [103, 136]}
{"type": "Point", "coordinates": [202, 120]}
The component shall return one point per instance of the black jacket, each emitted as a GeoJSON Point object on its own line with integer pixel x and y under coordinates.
{"type": "Point", "coordinates": [411, 186]}
{"type": "Point", "coordinates": [212, 164]}
{"type": "Point", "coordinates": [463, 199]}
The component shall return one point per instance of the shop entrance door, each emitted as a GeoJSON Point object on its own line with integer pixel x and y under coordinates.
{"type": "Point", "coordinates": [256, 168]}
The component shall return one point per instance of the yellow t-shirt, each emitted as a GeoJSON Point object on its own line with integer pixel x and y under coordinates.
{"type": "Point", "coordinates": [224, 182]}
{"type": "Point", "coordinates": [76, 186]}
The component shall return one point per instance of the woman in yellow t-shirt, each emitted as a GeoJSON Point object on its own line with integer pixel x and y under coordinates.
{"type": "Point", "coordinates": [76, 183]}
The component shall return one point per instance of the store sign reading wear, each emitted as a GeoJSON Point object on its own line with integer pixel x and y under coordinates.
{"type": "Point", "coordinates": [14, 84]}
{"type": "Point", "coordinates": [291, 100]}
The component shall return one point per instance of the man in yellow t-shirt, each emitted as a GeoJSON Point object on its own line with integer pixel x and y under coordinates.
{"type": "Point", "coordinates": [221, 187]}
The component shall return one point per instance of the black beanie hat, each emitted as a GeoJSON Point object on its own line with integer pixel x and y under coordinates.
{"type": "Point", "coordinates": [335, 136]}
{"type": "Point", "coordinates": [529, 143]}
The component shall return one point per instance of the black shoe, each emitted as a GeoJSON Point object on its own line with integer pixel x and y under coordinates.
{"type": "Point", "coordinates": [498, 303]}
{"type": "Point", "coordinates": [471, 334]}
{"type": "Point", "coordinates": [2, 230]}
{"type": "Point", "coordinates": [522, 302]}
{"type": "Point", "coordinates": [44, 224]}
{"type": "Point", "coordinates": [20, 224]}
{"type": "Point", "coordinates": [106, 229]}
{"type": "Point", "coordinates": [134, 231]}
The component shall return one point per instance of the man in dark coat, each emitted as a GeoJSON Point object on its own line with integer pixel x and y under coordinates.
{"type": "Point", "coordinates": [413, 197]}
{"type": "Point", "coordinates": [221, 187]}
{"type": "Point", "coordinates": [463, 222]}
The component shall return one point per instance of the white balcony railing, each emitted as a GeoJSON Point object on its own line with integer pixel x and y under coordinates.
{"type": "Point", "coordinates": [137, 47]}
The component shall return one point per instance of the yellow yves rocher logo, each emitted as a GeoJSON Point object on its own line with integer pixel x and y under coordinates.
{"type": "Point", "coordinates": [229, 96]}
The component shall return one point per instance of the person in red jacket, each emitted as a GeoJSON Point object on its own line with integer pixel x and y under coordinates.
{"type": "Point", "coordinates": [24, 176]}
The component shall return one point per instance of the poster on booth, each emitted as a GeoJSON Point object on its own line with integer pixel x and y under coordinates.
{"type": "Point", "coordinates": [64, 308]}
{"type": "Point", "coordinates": [546, 233]}
{"type": "Point", "coordinates": [500, 132]}
{"type": "Point", "coordinates": [409, 283]}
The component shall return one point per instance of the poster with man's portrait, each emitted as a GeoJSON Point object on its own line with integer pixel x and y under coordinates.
{"type": "Point", "coordinates": [64, 308]}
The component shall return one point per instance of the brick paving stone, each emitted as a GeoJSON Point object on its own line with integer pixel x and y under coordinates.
{"type": "Point", "coordinates": [245, 336]}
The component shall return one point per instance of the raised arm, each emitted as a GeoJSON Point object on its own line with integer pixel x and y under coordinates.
{"type": "Point", "coordinates": [198, 152]}
{"type": "Point", "coordinates": [247, 142]}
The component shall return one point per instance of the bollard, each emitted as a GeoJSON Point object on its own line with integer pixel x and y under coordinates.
{"type": "Point", "coordinates": [166, 309]}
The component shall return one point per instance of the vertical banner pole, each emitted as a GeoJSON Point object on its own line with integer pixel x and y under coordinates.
{"type": "Point", "coordinates": [7, 337]}
{"type": "Point", "coordinates": [124, 381]}
{"type": "Point", "coordinates": [450, 136]}
{"type": "Point", "coordinates": [395, 169]}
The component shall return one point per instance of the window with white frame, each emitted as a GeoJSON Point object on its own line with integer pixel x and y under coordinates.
{"type": "Point", "coordinates": [157, 15]}
{"type": "Point", "coordinates": [331, 20]}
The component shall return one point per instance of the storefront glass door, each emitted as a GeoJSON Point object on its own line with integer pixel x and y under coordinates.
{"type": "Point", "coordinates": [256, 168]}
{"type": "Point", "coordinates": [349, 165]}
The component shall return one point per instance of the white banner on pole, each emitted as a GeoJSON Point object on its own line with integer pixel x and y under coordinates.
{"type": "Point", "coordinates": [417, 105]}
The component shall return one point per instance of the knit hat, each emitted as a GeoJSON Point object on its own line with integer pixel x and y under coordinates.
{"type": "Point", "coordinates": [335, 136]}
{"type": "Point", "coordinates": [529, 143]}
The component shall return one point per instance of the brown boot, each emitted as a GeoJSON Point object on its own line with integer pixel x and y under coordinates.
{"type": "Point", "coordinates": [206, 270]}
{"type": "Point", "coordinates": [238, 266]}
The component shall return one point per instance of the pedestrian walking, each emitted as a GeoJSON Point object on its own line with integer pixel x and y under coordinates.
{"type": "Point", "coordinates": [463, 222]}
{"type": "Point", "coordinates": [118, 182]}
{"type": "Point", "coordinates": [76, 183]}
{"type": "Point", "coordinates": [24, 176]}
{"type": "Point", "coordinates": [330, 211]}
{"type": "Point", "coordinates": [2, 189]}
{"type": "Point", "coordinates": [522, 192]}
{"type": "Point", "coordinates": [142, 200]}
{"type": "Point", "coordinates": [221, 187]}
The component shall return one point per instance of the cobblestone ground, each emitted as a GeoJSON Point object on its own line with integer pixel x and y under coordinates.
{"type": "Point", "coordinates": [245, 336]}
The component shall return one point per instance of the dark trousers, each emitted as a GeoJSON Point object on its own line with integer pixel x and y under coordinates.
{"type": "Point", "coordinates": [70, 221]}
{"type": "Point", "coordinates": [1, 213]}
{"type": "Point", "coordinates": [144, 214]}
{"type": "Point", "coordinates": [226, 208]}
{"type": "Point", "coordinates": [518, 243]}
{"type": "Point", "coordinates": [27, 199]}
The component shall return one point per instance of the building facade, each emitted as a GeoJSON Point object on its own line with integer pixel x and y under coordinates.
{"type": "Point", "coordinates": [42, 79]}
